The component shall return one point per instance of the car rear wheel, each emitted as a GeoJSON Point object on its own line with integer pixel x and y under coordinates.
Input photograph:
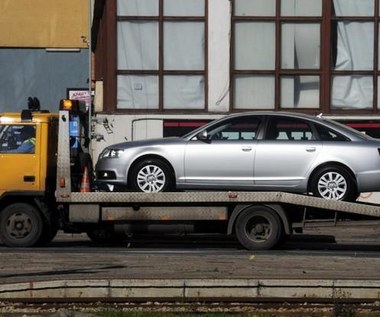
{"type": "Point", "coordinates": [152, 176]}
{"type": "Point", "coordinates": [335, 183]}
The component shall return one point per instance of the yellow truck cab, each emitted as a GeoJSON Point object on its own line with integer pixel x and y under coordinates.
{"type": "Point", "coordinates": [28, 146]}
{"type": "Point", "coordinates": [28, 149]}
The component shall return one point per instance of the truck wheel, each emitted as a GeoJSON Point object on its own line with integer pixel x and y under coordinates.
{"type": "Point", "coordinates": [333, 182]}
{"type": "Point", "coordinates": [258, 228]}
{"type": "Point", "coordinates": [105, 236]}
{"type": "Point", "coordinates": [152, 176]}
{"type": "Point", "coordinates": [49, 231]}
{"type": "Point", "coordinates": [21, 225]}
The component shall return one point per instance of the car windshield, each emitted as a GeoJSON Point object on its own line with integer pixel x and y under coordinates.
{"type": "Point", "coordinates": [210, 124]}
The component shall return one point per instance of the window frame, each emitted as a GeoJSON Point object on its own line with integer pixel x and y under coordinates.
{"type": "Point", "coordinates": [326, 70]}
{"type": "Point", "coordinates": [374, 72]}
{"type": "Point", "coordinates": [160, 72]}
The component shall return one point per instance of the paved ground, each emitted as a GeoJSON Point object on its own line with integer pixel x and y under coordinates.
{"type": "Point", "coordinates": [116, 263]}
{"type": "Point", "coordinates": [73, 266]}
{"type": "Point", "coordinates": [354, 254]}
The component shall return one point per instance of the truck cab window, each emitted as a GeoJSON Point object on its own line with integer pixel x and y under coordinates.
{"type": "Point", "coordinates": [17, 139]}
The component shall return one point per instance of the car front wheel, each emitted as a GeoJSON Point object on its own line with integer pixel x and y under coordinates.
{"type": "Point", "coordinates": [152, 176]}
{"type": "Point", "coordinates": [334, 183]}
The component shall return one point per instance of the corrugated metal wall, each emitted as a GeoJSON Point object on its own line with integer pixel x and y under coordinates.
{"type": "Point", "coordinates": [41, 74]}
{"type": "Point", "coordinates": [27, 29]}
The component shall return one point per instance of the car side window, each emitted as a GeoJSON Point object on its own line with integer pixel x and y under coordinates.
{"type": "Point", "coordinates": [293, 129]}
{"type": "Point", "coordinates": [326, 134]}
{"type": "Point", "coordinates": [243, 128]}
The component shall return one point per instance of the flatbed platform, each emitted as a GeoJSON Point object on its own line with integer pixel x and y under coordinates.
{"type": "Point", "coordinates": [221, 198]}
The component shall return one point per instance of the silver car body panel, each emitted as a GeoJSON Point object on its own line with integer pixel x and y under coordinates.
{"type": "Point", "coordinates": [217, 163]}
{"type": "Point", "coordinates": [272, 156]}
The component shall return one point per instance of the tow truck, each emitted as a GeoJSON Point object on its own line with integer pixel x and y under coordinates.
{"type": "Point", "coordinates": [53, 189]}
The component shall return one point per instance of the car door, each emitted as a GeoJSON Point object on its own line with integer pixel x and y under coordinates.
{"type": "Point", "coordinates": [19, 168]}
{"type": "Point", "coordinates": [224, 156]}
{"type": "Point", "coordinates": [285, 155]}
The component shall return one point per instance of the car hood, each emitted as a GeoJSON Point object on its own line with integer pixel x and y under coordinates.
{"type": "Point", "coordinates": [150, 142]}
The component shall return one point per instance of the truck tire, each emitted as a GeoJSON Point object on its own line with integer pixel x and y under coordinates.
{"type": "Point", "coordinates": [258, 228]}
{"type": "Point", "coordinates": [105, 236]}
{"type": "Point", "coordinates": [49, 231]}
{"type": "Point", "coordinates": [152, 176]}
{"type": "Point", "coordinates": [21, 225]}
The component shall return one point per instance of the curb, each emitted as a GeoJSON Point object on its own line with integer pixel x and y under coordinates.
{"type": "Point", "coordinates": [192, 289]}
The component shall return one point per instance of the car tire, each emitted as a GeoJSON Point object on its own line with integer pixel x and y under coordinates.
{"type": "Point", "coordinates": [335, 183]}
{"type": "Point", "coordinates": [258, 228]}
{"type": "Point", "coordinates": [152, 176]}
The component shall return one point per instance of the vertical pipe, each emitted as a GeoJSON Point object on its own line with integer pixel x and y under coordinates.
{"type": "Point", "coordinates": [89, 70]}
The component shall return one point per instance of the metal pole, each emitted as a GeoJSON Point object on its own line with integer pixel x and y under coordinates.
{"type": "Point", "coordinates": [90, 10]}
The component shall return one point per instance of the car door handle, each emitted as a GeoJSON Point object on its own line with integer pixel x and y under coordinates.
{"type": "Point", "coordinates": [246, 148]}
{"type": "Point", "coordinates": [311, 149]}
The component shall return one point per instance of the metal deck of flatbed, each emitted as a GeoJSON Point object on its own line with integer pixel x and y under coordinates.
{"type": "Point", "coordinates": [219, 198]}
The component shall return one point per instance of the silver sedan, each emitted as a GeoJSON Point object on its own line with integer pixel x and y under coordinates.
{"type": "Point", "coordinates": [261, 151]}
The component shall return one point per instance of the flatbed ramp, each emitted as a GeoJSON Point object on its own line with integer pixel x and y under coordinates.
{"type": "Point", "coordinates": [221, 198]}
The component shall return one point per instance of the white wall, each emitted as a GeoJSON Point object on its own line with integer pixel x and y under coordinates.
{"type": "Point", "coordinates": [219, 37]}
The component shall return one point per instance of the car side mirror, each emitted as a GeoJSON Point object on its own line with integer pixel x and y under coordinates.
{"type": "Point", "coordinates": [203, 136]}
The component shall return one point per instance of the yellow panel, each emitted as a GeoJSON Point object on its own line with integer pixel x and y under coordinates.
{"type": "Point", "coordinates": [44, 23]}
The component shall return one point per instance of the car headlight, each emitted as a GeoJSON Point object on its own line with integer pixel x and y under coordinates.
{"type": "Point", "coordinates": [111, 153]}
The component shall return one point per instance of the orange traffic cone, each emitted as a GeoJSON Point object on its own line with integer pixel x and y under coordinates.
{"type": "Point", "coordinates": [85, 183]}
